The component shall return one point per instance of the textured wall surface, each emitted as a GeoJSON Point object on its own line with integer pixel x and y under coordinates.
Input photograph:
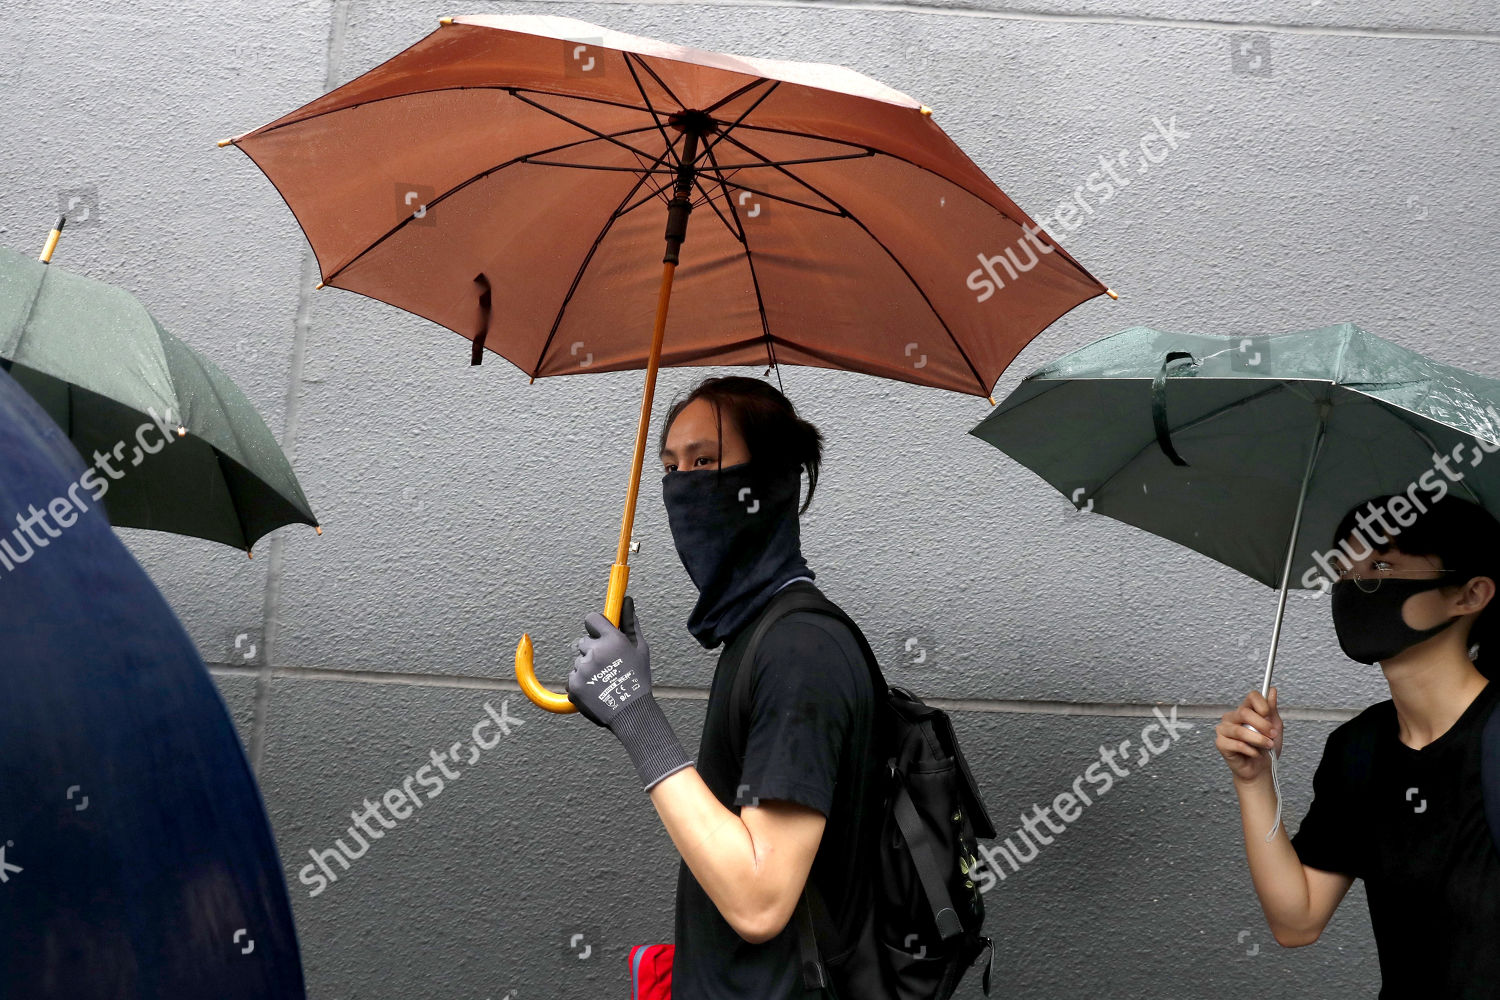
{"type": "Point", "coordinates": [1337, 164]}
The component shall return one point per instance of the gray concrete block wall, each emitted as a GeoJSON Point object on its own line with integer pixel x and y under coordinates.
{"type": "Point", "coordinates": [1337, 166]}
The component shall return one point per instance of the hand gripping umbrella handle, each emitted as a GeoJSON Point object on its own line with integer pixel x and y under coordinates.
{"type": "Point", "coordinates": [526, 670]}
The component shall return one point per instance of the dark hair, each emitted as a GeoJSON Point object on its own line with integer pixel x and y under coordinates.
{"type": "Point", "coordinates": [774, 434]}
{"type": "Point", "coordinates": [1464, 537]}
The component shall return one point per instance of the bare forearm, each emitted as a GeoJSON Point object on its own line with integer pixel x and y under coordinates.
{"type": "Point", "coordinates": [714, 842]}
{"type": "Point", "coordinates": [1275, 869]}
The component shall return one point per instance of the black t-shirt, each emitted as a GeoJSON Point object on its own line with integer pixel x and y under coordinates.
{"type": "Point", "coordinates": [811, 710]}
{"type": "Point", "coordinates": [1411, 824]}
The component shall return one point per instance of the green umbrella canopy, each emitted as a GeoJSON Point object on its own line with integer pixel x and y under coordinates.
{"type": "Point", "coordinates": [1250, 449]}
{"type": "Point", "coordinates": [120, 386]}
{"type": "Point", "coordinates": [1243, 414]}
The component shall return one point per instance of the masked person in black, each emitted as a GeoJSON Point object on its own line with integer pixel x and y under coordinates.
{"type": "Point", "coordinates": [796, 812]}
{"type": "Point", "coordinates": [1398, 798]}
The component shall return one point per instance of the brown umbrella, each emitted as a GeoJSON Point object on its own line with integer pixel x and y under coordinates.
{"type": "Point", "coordinates": [498, 177]}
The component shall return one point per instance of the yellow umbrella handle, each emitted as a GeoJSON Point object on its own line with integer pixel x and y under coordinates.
{"type": "Point", "coordinates": [525, 669]}
{"type": "Point", "coordinates": [620, 571]}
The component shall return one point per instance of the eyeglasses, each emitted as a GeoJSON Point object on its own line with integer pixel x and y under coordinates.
{"type": "Point", "coordinates": [1383, 571]}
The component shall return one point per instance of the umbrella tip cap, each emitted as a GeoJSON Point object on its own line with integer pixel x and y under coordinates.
{"type": "Point", "coordinates": [318, 286]}
{"type": "Point", "coordinates": [223, 142]}
{"type": "Point", "coordinates": [925, 110]}
{"type": "Point", "coordinates": [445, 21]}
{"type": "Point", "coordinates": [318, 528]}
{"type": "Point", "coordinates": [1112, 293]}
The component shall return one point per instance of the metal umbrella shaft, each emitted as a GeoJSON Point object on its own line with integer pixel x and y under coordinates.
{"type": "Point", "coordinates": [1286, 573]}
{"type": "Point", "coordinates": [1291, 545]}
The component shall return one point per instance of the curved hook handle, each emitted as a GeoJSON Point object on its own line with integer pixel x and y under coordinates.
{"type": "Point", "coordinates": [525, 669]}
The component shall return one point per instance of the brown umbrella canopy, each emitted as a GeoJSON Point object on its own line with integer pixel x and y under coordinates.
{"type": "Point", "coordinates": [507, 177]}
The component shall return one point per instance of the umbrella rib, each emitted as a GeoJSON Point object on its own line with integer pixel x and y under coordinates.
{"type": "Point", "coordinates": [760, 304]}
{"type": "Point", "coordinates": [916, 166]}
{"type": "Point", "coordinates": [788, 173]}
{"type": "Point", "coordinates": [797, 134]}
{"type": "Point", "coordinates": [670, 171]}
{"type": "Point", "coordinates": [659, 81]}
{"type": "Point", "coordinates": [1396, 411]}
{"type": "Point", "coordinates": [785, 200]}
{"type": "Point", "coordinates": [739, 122]}
{"type": "Point", "coordinates": [708, 146]}
{"type": "Point", "coordinates": [243, 446]}
{"type": "Point", "coordinates": [588, 257]}
{"type": "Point", "coordinates": [767, 162]}
{"type": "Point", "coordinates": [726, 166]}
{"type": "Point", "coordinates": [1196, 422]}
{"type": "Point", "coordinates": [709, 201]}
{"type": "Point", "coordinates": [513, 91]}
{"type": "Point", "coordinates": [651, 108]}
{"type": "Point", "coordinates": [36, 294]}
{"type": "Point", "coordinates": [648, 170]}
{"type": "Point", "coordinates": [523, 158]}
{"type": "Point", "coordinates": [774, 197]}
{"type": "Point", "coordinates": [239, 518]}
{"type": "Point", "coordinates": [916, 285]}
{"type": "Point", "coordinates": [745, 90]}
{"type": "Point", "coordinates": [655, 193]}
{"type": "Point", "coordinates": [716, 170]}
{"type": "Point", "coordinates": [577, 124]}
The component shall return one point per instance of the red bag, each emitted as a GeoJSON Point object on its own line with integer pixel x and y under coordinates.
{"type": "Point", "coordinates": [651, 972]}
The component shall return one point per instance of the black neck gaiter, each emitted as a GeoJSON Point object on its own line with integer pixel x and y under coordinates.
{"type": "Point", "coordinates": [737, 533]}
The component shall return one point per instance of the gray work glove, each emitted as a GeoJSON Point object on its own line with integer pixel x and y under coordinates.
{"type": "Point", "coordinates": [611, 685]}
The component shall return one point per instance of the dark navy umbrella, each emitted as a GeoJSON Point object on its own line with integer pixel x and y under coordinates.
{"type": "Point", "coordinates": [136, 859]}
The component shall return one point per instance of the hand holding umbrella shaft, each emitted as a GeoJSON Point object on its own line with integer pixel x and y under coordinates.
{"type": "Point", "coordinates": [1248, 753]}
{"type": "Point", "coordinates": [611, 685]}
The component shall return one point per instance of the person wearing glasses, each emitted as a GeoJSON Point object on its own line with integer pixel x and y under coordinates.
{"type": "Point", "coordinates": [1397, 796]}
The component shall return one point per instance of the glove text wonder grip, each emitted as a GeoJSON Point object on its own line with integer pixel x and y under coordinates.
{"type": "Point", "coordinates": [611, 685]}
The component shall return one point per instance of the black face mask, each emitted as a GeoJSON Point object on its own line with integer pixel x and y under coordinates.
{"type": "Point", "coordinates": [1370, 627]}
{"type": "Point", "coordinates": [736, 532]}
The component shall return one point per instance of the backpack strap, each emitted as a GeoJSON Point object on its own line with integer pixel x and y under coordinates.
{"type": "Point", "coordinates": [799, 596]}
{"type": "Point", "coordinates": [928, 871]}
{"type": "Point", "coordinates": [1489, 771]}
{"type": "Point", "coordinates": [814, 976]}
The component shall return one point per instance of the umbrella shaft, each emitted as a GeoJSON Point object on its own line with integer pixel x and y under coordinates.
{"type": "Point", "coordinates": [677, 217]}
{"type": "Point", "coordinates": [1291, 547]}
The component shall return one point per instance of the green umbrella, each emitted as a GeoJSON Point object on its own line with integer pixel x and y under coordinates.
{"type": "Point", "coordinates": [1229, 444]}
{"type": "Point", "coordinates": [174, 443]}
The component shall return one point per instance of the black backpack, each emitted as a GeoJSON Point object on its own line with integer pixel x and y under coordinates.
{"type": "Point", "coordinates": [924, 932]}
